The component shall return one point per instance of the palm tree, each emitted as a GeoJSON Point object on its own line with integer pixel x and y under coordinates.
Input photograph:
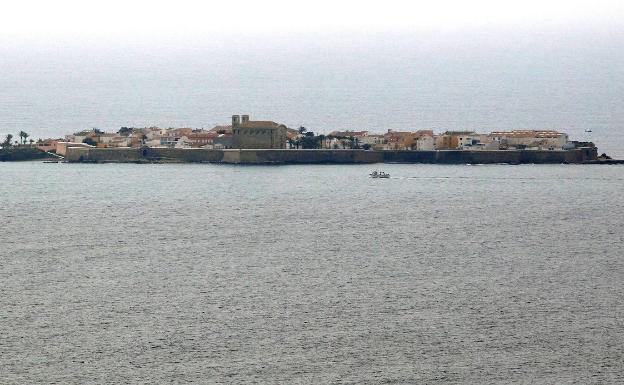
{"type": "Point", "coordinates": [7, 141]}
{"type": "Point", "coordinates": [22, 136]}
{"type": "Point", "coordinates": [322, 140]}
{"type": "Point", "coordinates": [302, 130]}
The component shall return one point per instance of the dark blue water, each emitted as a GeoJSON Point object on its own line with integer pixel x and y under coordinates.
{"type": "Point", "coordinates": [311, 274]}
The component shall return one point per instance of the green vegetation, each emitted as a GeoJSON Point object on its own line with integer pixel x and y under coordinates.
{"type": "Point", "coordinates": [89, 141]}
{"type": "Point", "coordinates": [7, 141]}
{"type": "Point", "coordinates": [125, 131]}
{"type": "Point", "coordinates": [23, 150]}
{"type": "Point", "coordinates": [14, 153]}
{"type": "Point", "coordinates": [308, 140]}
{"type": "Point", "coordinates": [23, 136]}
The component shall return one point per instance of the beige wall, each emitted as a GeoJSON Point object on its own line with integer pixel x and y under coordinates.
{"type": "Point", "coordinates": [61, 147]}
{"type": "Point", "coordinates": [557, 142]}
{"type": "Point", "coordinates": [258, 138]}
{"type": "Point", "coordinates": [424, 143]}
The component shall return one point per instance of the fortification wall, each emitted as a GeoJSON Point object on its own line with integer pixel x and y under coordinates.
{"type": "Point", "coordinates": [488, 157]}
{"type": "Point", "coordinates": [310, 156]}
{"type": "Point", "coordinates": [191, 155]}
{"type": "Point", "coordinates": [579, 155]}
{"type": "Point", "coordinates": [443, 157]}
{"type": "Point", "coordinates": [81, 154]}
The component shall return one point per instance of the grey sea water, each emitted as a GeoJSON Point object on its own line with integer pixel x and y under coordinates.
{"type": "Point", "coordinates": [311, 274]}
{"type": "Point", "coordinates": [569, 80]}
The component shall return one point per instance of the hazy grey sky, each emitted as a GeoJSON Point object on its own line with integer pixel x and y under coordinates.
{"type": "Point", "coordinates": [114, 20]}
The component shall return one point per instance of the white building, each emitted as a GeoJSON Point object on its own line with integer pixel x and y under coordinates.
{"type": "Point", "coordinates": [424, 143]}
{"type": "Point", "coordinates": [542, 139]}
{"type": "Point", "coordinates": [372, 140]}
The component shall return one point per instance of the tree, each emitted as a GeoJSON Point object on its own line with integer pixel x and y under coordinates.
{"type": "Point", "coordinates": [31, 142]}
{"type": "Point", "coordinates": [89, 141]}
{"type": "Point", "coordinates": [366, 146]}
{"type": "Point", "coordinates": [309, 142]}
{"type": "Point", "coordinates": [7, 141]}
{"type": "Point", "coordinates": [351, 142]}
{"type": "Point", "coordinates": [322, 140]}
{"type": "Point", "coordinates": [302, 130]}
{"type": "Point", "coordinates": [125, 131]}
{"type": "Point", "coordinates": [23, 135]}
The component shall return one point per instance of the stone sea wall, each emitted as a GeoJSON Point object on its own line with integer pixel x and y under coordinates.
{"type": "Point", "coordinates": [579, 155]}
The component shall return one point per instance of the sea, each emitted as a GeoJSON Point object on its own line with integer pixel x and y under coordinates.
{"type": "Point", "coordinates": [205, 273]}
{"type": "Point", "coordinates": [315, 274]}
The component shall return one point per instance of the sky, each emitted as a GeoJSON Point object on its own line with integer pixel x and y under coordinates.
{"type": "Point", "coordinates": [156, 20]}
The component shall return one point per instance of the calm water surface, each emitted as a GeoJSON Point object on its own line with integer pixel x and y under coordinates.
{"type": "Point", "coordinates": [571, 80]}
{"type": "Point", "coordinates": [311, 274]}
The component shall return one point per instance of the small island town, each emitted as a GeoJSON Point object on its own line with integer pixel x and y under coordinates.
{"type": "Point", "coordinates": [144, 143]}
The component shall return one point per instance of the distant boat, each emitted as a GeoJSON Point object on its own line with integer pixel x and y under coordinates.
{"type": "Point", "coordinates": [588, 130]}
{"type": "Point", "coordinates": [379, 174]}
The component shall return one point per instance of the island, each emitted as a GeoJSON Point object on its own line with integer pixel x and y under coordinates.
{"type": "Point", "coordinates": [246, 141]}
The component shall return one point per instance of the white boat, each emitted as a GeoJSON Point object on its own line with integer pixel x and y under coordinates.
{"type": "Point", "coordinates": [380, 174]}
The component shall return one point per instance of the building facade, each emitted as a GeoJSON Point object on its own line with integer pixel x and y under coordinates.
{"type": "Point", "coordinates": [543, 139]}
{"type": "Point", "coordinates": [257, 134]}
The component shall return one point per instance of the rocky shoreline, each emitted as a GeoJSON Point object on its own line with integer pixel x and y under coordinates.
{"type": "Point", "coordinates": [26, 153]}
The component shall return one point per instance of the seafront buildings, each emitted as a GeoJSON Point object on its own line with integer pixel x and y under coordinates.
{"type": "Point", "coordinates": [244, 133]}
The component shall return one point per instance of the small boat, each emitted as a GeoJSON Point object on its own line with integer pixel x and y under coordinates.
{"type": "Point", "coordinates": [588, 130]}
{"type": "Point", "coordinates": [379, 174]}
